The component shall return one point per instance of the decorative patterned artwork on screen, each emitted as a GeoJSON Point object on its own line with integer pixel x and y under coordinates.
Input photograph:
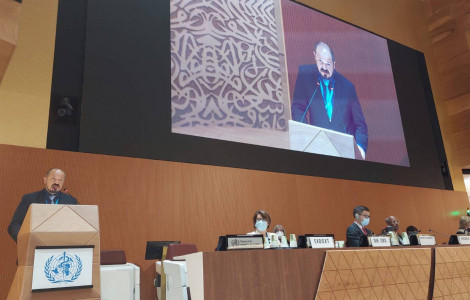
{"type": "Point", "coordinates": [225, 65]}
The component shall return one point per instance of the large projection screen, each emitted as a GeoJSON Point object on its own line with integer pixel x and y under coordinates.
{"type": "Point", "coordinates": [178, 85]}
{"type": "Point", "coordinates": [235, 76]}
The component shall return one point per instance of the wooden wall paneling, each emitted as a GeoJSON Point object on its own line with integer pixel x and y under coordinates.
{"type": "Point", "coordinates": [321, 209]}
{"type": "Point", "coordinates": [141, 200]}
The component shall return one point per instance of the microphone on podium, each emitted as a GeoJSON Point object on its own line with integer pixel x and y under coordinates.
{"type": "Point", "coordinates": [310, 102]}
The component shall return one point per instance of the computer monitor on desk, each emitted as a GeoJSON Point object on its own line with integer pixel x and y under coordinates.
{"type": "Point", "coordinates": [155, 248]}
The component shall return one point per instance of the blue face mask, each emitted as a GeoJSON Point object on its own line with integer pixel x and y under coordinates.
{"type": "Point", "coordinates": [261, 225]}
{"type": "Point", "coordinates": [365, 222]}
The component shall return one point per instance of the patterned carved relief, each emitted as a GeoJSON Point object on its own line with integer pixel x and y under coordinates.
{"type": "Point", "coordinates": [452, 275]}
{"type": "Point", "coordinates": [225, 64]}
{"type": "Point", "coordinates": [376, 274]}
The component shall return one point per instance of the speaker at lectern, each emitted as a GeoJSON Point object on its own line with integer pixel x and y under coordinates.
{"type": "Point", "coordinates": [58, 254]}
{"type": "Point", "coordinates": [312, 139]}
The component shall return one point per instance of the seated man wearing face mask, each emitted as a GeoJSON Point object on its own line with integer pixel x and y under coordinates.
{"type": "Point", "coordinates": [357, 233]}
{"type": "Point", "coordinates": [261, 221]}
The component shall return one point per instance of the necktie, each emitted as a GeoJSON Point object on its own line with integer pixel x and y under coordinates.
{"type": "Point", "coordinates": [364, 230]}
{"type": "Point", "coordinates": [52, 198]}
{"type": "Point", "coordinates": [328, 97]}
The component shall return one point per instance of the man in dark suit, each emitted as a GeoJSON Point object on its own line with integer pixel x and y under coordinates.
{"type": "Point", "coordinates": [51, 194]}
{"type": "Point", "coordinates": [357, 233]}
{"type": "Point", "coordinates": [325, 98]}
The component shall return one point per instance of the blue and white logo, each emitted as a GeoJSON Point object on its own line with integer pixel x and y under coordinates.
{"type": "Point", "coordinates": [63, 268]}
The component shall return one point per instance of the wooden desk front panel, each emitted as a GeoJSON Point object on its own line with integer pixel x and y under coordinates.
{"type": "Point", "coordinates": [376, 274]}
{"type": "Point", "coordinates": [262, 274]}
{"type": "Point", "coordinates": [452, 274]}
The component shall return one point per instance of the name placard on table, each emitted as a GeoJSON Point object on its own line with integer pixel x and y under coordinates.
{"type": "Point", "coordinates": [380, 241]}
{"type": "Point", "coordinates": [464, 239]}
{"type": "Point", "coordinates": [426, 239]}
{"type": "Point", "coordinates": [320, 240]}
{"type": "Point", "coordinates": [238, 242]}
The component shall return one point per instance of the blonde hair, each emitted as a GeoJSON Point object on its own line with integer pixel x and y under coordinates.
{"type": "Point", "coordinates": [464, 222]}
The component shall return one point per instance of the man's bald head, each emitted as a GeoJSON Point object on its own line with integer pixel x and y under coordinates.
{"type": "Point", "coordinates": [325, 60]}
{"type": "Point", "coordinates": [392, 221]}
{"type": "Point", "coordinates": [54, 180]}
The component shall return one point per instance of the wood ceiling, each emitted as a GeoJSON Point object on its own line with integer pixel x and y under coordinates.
{"type": "Point", "coordinates": [449, 27]}
{"type": "Point", "coordinates": [9, 24]}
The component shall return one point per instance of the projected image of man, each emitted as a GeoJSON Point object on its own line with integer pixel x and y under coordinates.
{"type": "Point", "coordinates": [325, 98]}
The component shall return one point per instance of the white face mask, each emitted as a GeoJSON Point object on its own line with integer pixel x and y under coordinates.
{"type": "Point", "coordinates": [261, 225]}
{"type": "Point", "coordinates": [365, 222]}
{"type": "Point", "coordinates": [280, 234]}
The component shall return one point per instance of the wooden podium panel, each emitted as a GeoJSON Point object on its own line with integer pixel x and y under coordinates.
{"type": "Point", "coordinates": [314, 139]}
{"type": "Point", "coordinates": [56, 225]}
{"type": "Point", "coordinates": [452, 273]}
{"type": "Point", "coordinates": [376, 274]}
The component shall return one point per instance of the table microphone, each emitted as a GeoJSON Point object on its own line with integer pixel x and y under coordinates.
{"type": "Point", "coordinates": [444, 234]}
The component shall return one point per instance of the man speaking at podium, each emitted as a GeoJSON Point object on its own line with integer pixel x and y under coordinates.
{"type": "Point", "coordinates": [325, 98]}
{"type": "Point", "coordinates": [51, 194]}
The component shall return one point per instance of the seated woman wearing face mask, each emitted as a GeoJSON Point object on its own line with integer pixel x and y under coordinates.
{"type": "Point", "coordinates": [280, 231]}
{"type": "Point", "coordinates": [261, 221]}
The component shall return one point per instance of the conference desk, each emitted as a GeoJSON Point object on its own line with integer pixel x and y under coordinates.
{"type": "Point", "coordinates": [417, 272]}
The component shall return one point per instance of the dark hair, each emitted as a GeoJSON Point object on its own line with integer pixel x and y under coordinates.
{"type": "Point", "coordinates": [263, 214]}
{"type": "Point", "coordinates": [331, 50]}
{"type": "Point", "coordinates": [359, 209]}
{"type": "Point", "coordinates": [411, 228]}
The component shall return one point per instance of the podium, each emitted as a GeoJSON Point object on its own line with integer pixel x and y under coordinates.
{"type": "Point", "coordinates": [313, 139]}
{"type": "Point", "coordinates": [45, 226]}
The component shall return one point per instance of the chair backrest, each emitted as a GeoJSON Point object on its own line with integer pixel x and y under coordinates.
{"type": "Point", "coordinates": [180, 249]}
{"type": "Point", "coordinates": [113, 257]}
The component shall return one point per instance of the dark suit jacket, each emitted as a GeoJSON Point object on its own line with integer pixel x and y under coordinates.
{"type": "Point", "coordinates": [355, 237]}
{"type": "Point", "coordinates": [28, 199]}
{"type": "Point", "coordinates": [347, 114]}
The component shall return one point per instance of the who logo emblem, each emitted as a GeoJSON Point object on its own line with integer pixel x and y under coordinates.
{"type": "Point", "coordinates": [63, 268]}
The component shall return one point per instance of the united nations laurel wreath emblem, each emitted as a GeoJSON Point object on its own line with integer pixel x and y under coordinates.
{"type": "Point", "coordinates": [63, 268]}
